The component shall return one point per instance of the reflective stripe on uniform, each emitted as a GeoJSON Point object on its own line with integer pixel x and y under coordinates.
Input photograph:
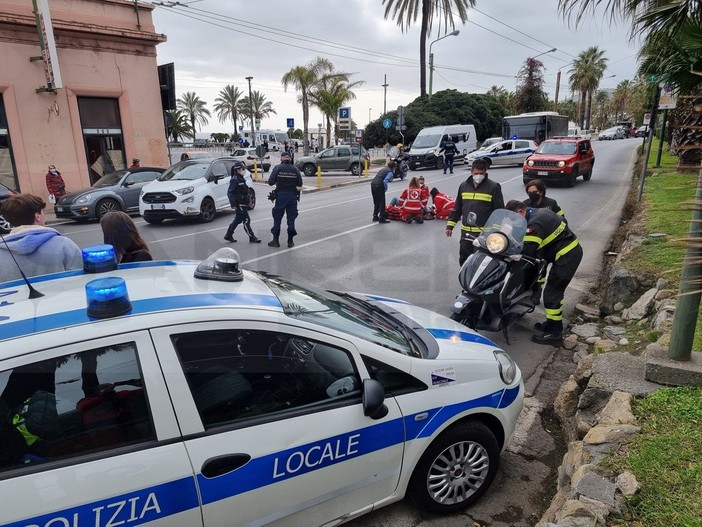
{"type": "Point", "coordinates": [476, 196]}
{"type": "Point", "coordinates": [567, 248]}
{"type": "Point", "coordinates": [553, 235]}
{"type": "Point", "coordinates": [468, 228]}
{"type": "Point", "coordinates": [554, 314]}
{"type": "Point", "coordinates": [450, 223]}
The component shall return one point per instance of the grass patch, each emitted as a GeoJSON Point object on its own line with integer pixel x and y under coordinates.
{"type": "Point", "coordinates": [666, 458]}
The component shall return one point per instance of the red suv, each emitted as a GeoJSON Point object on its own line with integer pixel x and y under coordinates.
{"type": "Point", "coordinates": [561, 159]}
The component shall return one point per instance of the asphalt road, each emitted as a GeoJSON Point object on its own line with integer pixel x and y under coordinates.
{"type": "Point", "coordinates": [340, 248]}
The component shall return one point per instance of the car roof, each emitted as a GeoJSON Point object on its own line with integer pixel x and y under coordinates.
{"type": "Point", "coordinates": [153, 287]}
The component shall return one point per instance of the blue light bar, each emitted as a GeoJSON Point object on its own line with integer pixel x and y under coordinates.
{"type": "Point", "coordinates": [107, 297]}
{"type": "Point", "coordinates": [99, 258]}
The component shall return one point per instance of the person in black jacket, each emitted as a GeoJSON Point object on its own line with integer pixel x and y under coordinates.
{"type": "Point", "coordinates": [536, 190]}
{"type": "Point", "coordinates": [119, 230]}
{"type": "Point", "coordinates": [238, 194]}
{"type": "Point", "coordinates": [450, 150]}
{"type": "Point", "coordinates": [288, 182]}
{"type": "Point", "coordinates": [476, 194]}
{"type": "Point", "coordinates": [549, 237]}
{"type": "Point", "coordinates": [379, 185]}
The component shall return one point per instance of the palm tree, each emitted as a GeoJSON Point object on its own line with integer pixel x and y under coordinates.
{"type": "Point", "coordinates": [331, 93]}
{"type": "Point", "coordinates": [180, 125]}
{"type": "Point", "coordinates": [621, 97]}
{"type": "Point", "coordinates": [226, 105]}
{"type": "Point", "coordinates": [585, 76]}
{"type": "Point", "coordinates": [260, 106]}
{"type": "Point", "coordinates": [303, 79]}
{"type": "Point", "coordinates": [195, 108]}
{"type": "Point", "coordinates": [405, 12]}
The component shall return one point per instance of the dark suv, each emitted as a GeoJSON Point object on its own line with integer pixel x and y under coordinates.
{"type": "Point", "coordinates": [336, 158]}
{"type": "Point", "coordinates": [561, 159]}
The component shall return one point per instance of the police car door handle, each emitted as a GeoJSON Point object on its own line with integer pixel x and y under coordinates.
{"type": "Point", "coordinates": [217, 466]}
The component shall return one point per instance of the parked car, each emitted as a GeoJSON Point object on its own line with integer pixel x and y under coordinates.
{"type": "Point", "coordinates": [196, 188]}
{"type": "Point", "coordinates": [505, 152]}
{"type": "Point", "coordinates": [5, 192]}
{"type": "Point", "coordinates": [201, 143]}
{"type": "Point", "coordinates": [335, 158]}
{"type": "Point", "coordinates": [197, 154]}
{"type": "Point", "coordinates": [616, 132]}
{"type": "Point", "coordinates": [197, 393]}
{"type": "Point", "coordinates": [560, 160]}
{"type": "Point", "coordinates": [642, 131]}
{"type": "Point", "coordinates": [117, 191]}
{"type": "Point", "coordinates": [248, 156]}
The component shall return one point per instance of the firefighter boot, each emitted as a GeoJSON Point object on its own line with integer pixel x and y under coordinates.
{"type": "Point", "coordinates": [552, 334]}
{"type": "Point", "coordinates": [290, 242]}
{"type": "Point", "coordinates": [275, 242]}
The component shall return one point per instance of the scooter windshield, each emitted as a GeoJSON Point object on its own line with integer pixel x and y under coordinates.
{"type": "Point", "coordinates": [508, 223]}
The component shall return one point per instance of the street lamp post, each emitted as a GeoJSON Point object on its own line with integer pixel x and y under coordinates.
{"type": "Point", "coordinates": [253, 129]}
{"type": "Point", "coordinates": [369, 115]}
{"type": "Point", "coordinates": [544, 53]}
{"type": "Point", "coordinates": [431, 57]}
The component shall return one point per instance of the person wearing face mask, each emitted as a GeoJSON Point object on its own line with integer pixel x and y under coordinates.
{"type": "Point", "coordinates": [536, 190]}
{"type": "Point", "coordinates": [476, 194]}
{"type": "Point", "coordinates": [549, 237]}
{"type": "Point", "coordinates": [54, 183]}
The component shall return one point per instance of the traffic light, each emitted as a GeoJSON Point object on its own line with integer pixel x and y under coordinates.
{"type": "Point", "coordinates": [166, 81]}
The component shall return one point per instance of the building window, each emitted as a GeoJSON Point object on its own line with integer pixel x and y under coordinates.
{"type": "Point", "coordinates": [102, 134]}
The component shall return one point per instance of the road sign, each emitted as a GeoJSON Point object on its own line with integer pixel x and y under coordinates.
{"type": "Point", "coordinates": [241, 127]}
{"type": "Point", "coordinates": [667, 100]}
{"type": "Point", "coordinates": [241, 141]}
{"type": "Point", "coordinates": [387, 123]}
{"type": "Point", "coordinates": [258, 124]}
{"type": "Point", "coordinates": [647, 118]}
{"type": "Point", "coordinates": [291, 122]}
{"type": "Point", "coordinates": [400, 115]}
{"type": "Point", "coordinates": [400, 128]}
{"type": "Point", "coordinates": [344, 113]}
{"type": "Point", "coordinates": [261, 150]}
{"type": "Point", "coordinates": [359, 135]}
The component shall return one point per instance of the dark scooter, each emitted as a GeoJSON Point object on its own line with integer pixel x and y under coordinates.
{"type": "Point", "coordinates": [401, 164]}
{"type": "Point", "coordinates": [497, 279]}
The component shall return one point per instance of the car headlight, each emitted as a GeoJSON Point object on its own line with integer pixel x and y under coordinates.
{"type": "Point", "coordinates": [507, 367]}
{"type": "Point", "coordinates": [561, 164]}
{"type": "Point", "coordinates": [530, 162]}
{"type": "Point", "coordinates": [184, 191]}
{"type": "Point", "coordinates": [84, 199]}
{"type": "Point", "coordinates": [496, 242]}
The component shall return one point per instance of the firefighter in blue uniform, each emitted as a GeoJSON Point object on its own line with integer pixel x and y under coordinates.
{"type": "Point", "coordinates": [288, 182]}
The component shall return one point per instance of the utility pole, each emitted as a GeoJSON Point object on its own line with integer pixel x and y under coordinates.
{"type": "Point", "coordinates": [253, 129]}
{"type": "Point", "coordinates": [385, 94]}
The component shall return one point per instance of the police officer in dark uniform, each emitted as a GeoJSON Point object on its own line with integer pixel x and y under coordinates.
{"type": "Point", "coordinates": [288, 182]}
{"type": "Point", "coordinates": [379, 185]}
{"type": "Point", "coordinates": [549, 237]}
{"type": "Point", "coordinates": [476, 194]}
{"type": "Point", "coordinates": [449, 151]}
{"type": "Point", "coordinates": [238, 194]}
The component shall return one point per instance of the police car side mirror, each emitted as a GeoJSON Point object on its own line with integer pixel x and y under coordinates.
{"type": "Point", "coordinates": [374, 399]}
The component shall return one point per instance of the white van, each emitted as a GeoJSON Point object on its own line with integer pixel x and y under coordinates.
{"type": "Point", "coordinates": [425, 151]}
{"type": "Point", "coordinates": [275, 138]}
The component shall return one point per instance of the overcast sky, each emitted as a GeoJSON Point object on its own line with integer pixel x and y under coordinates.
{"type": "Point", "coordinates": [218, 42]}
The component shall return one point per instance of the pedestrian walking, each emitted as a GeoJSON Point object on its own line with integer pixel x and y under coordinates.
{"type": "Point", "coordinates": [238, 195]}
{"type": "Point", "coordinates": [136, 163]}
{"type": "Point", "coordinates": [450, 150]}
{"type": "Point", "coordinates": [54, 183]}
{"type": "Point", "coordinates": [288, 183]}
{"type": "Point", "coordinates": [379, 185]}
{"type": "Point", "coordinates": [476, 194]}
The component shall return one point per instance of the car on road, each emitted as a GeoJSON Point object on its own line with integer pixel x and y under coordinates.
{"type": "Point", "coordinates": [504, 152]}
{"type": "Point", "coordinates": [197, 393]}
{"type": "Point", "coordinates": [642, 131]}
{"type": "Point", "coordinates": [249, 156]}
{"type": "Point", "coordinates": [491, 141]}
{"type": "Point", "coordinates": [339, 158]}
{"type": "Point", "coordinates": [560, 160]}
{"type": "Point", "coordinates": [5, 192]}
{"type": "Point", "coordinates": [616, 132]}
{"type": "Point", "coordinates": [197, 154]}
{"type": "Point", "coordinates": [117, 191]}
{"type": "Point", "coordinates": [195, 188]}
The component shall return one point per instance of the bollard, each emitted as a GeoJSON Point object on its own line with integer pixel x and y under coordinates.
{"type": "Point", "coordinates": [255, 171]}
{"type": "Point", "coordinates": [319, 176]}
{"type": "Point", "coordinates": [365, 168]}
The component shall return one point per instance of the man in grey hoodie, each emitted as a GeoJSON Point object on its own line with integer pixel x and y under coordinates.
{"type": "Point", "coordinates": [38, 249]}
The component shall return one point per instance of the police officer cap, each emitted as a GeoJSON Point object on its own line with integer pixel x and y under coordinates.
{"type": "Point", "coordinates": [237, 165]}
{"type": "Point", "coordinates": [284, 154]}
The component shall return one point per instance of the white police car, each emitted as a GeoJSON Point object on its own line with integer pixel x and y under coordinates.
{"type": "Point", "coordinates": [509, 152]}
{"type": "Point", "coordinates": [172, 393]}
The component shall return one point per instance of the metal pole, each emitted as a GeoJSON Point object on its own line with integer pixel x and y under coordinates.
{"type": "Point", "coordinates": [558, 89]}
{"type": "Point", "coordinates": [431, 70]}
{"type": "Point", "coordinates": [688, 303]}
{"type": "Point", "coordinates": [651, 128]}
{"type": "Point", "coordinates": [660, 143]}
{"type": "Point", "coordinates": [253, 129]}
{"type": "Point", "coordinates": [385, 94]}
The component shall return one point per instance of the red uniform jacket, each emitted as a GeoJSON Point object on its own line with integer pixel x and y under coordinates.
{"type": "Point", "coordinates": [443, 204]}
{"type": "Point", "coordinates": [411, 202]}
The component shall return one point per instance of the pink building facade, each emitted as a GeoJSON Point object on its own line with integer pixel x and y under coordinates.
{"type": "Point", "coordinates": [109, 108]}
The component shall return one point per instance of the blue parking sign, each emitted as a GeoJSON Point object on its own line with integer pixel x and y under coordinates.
{"type": "Point", "coordinates": [241, 140]}
{"type": "Point", "coordinates": [291, 123]}
{"type": "Point", "coordinates": [344, 113]}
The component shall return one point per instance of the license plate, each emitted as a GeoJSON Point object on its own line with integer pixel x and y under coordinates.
{"type": "Point", "coordinates": [59, 209]}
{"type": "Point", "coordinates": [158, 206]}
{"type": "Point", "coordinates": [542, 173]}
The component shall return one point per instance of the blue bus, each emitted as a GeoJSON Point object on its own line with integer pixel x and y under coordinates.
{"type": "Point", "coordinates": [536, 126]}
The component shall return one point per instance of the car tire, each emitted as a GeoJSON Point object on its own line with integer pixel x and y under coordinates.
{"type": "Point", "coordinates": [207, 210]}
{"type": "Point", "coordinates": [588, 175]}
{"type": "Point", "coordinates": [456, 469]}
{"type": "Point", "coordinates": [104, 206]}
{"type": "Point", "coordinates": [309, 170]}
{"type": "Point", "coordinates": [153, 221]}
{"type": "Point", "coordinates": [570, 182]}
{"type": "Point", "coordinates": [252, 200]}
{"type": "Point", "coordinates": [439, 163]}
{"type": "Point", "coordinates": [355, 169]}
{"type": "Point", "coordinates": [412, 168]}
{"type": "Point", "coordinates": [526, 180]}
{"type": "Point", "coordinates": [5, 226]}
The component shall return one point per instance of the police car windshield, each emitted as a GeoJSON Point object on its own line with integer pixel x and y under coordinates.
{"type": "Point", "coordinates": [187, 171]}
{"type": "Point", "coordinates": [331, 311]}
{"type": "Point", "coordinates": [426, 141]}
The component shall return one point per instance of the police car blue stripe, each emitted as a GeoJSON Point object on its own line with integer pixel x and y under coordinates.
{"type": "Point", "coordinates": [139, 307]}
{"type": "Point", "coordinates": [136, 508]}
{"type": "Point", "coordinates": [509, 397]}
{"type": "Point", "coordinates": [386, 299]}
{"type": "Point", "coordinates": [451, 334]}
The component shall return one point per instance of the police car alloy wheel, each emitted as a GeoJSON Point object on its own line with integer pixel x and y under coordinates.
{"type": "Point", "coordinates": [456, 469]}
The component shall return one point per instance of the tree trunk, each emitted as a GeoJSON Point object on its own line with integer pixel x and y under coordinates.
{"type": "Point", "coordinates": [329, 130]}
{"type": "Point", "coordinates": [423, 49]}
{"type": "Point", "coordinates": [305, 123]}
{"type": "Point", "coordinates": [588, 112]}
